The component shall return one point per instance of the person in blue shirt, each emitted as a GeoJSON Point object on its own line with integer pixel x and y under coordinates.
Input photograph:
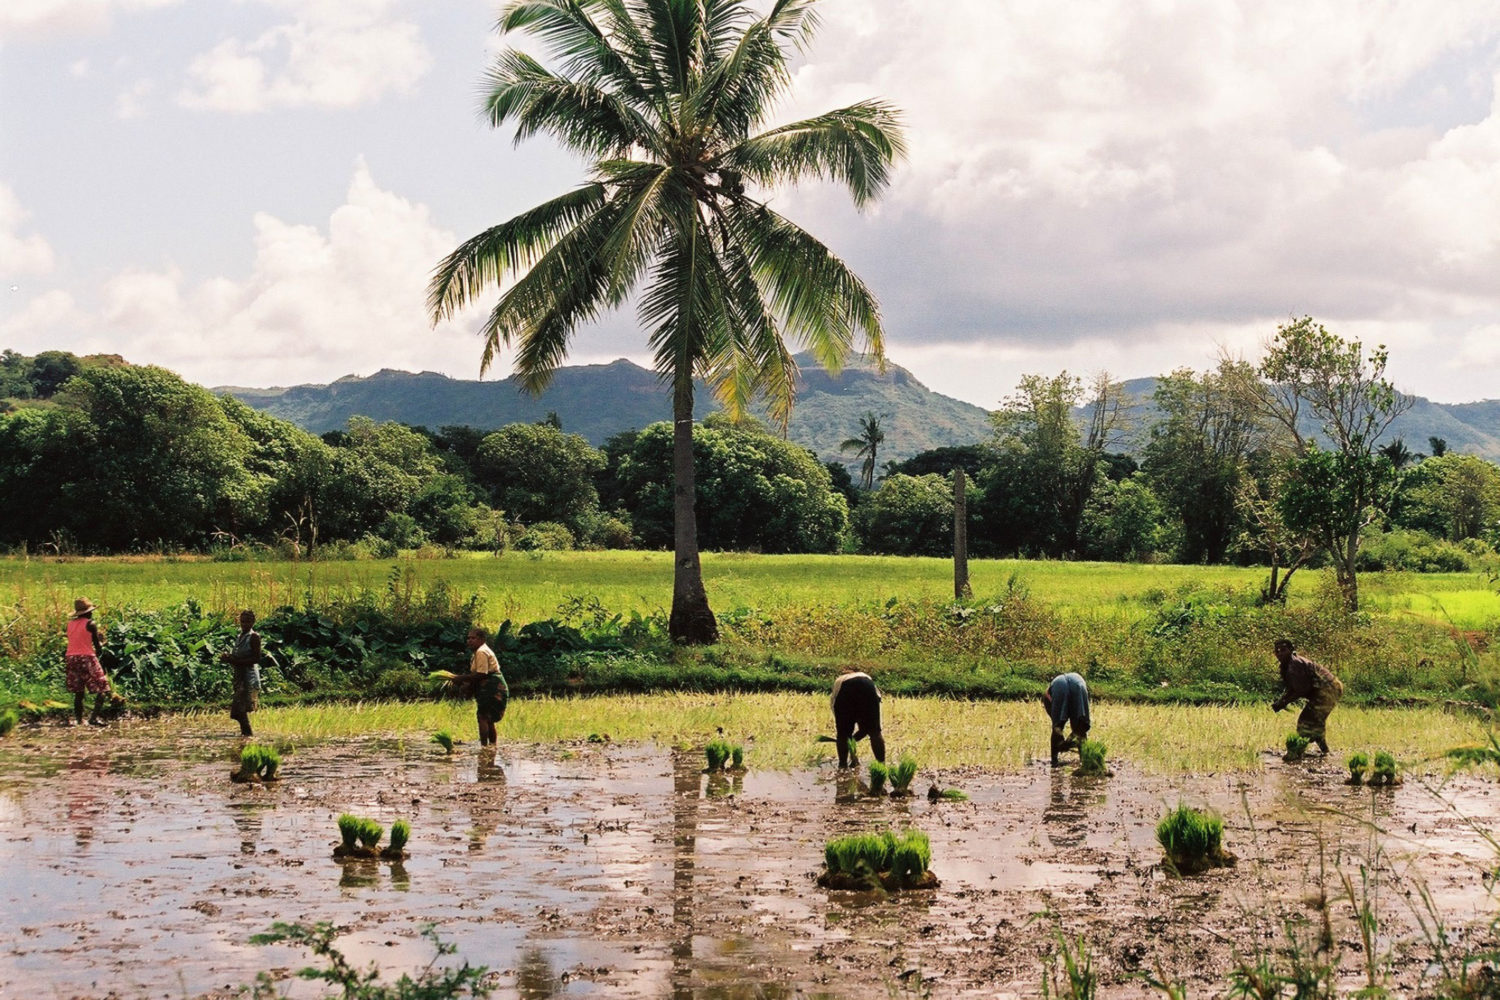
{"type": "Point", "coordinates": [1067, 703]}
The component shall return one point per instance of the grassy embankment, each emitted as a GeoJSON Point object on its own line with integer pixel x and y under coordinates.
{"type": "Point", "coordinates": [1139, 633]}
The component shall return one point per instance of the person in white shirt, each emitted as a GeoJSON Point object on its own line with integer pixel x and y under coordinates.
{"type": "Point", "coordinates": [491, 693]}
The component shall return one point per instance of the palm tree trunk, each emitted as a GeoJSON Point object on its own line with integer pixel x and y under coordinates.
{"type": "Point", "coordinates": [692, 622]}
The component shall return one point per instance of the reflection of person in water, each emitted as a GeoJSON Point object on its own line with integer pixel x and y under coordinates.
{"type": "Point", "coordinates": [488, 804]}
{"type": "Point", "coordinates": [83, 777]}
{"type": "Point", "coordinates": [247, 820]}
{"type": "Point", "coordinates": [1065, 819]}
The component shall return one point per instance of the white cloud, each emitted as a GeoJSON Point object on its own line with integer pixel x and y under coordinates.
{"type": "Point", "coordinates": [330, 55]}
{"type": "Point", "coordinates": [318, 302]}
{"type": "Point", "coordinates": [130, 102]}
{"type": "Point", "coordinates": [23, 18]}
{"type": "Point", "coordinates": [1108, 171]}
{"type": "Point", "coordinates": [20, 254]}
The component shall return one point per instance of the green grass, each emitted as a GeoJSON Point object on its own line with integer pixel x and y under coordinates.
{"type": "Point", "coordinates": [526, 587]}
{"type": "Point", "coordinates": [1156, 739]}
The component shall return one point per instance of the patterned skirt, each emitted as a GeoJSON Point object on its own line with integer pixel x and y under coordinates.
{"type": "Point", "coordinates": [491, 697]}
{"type": "Point", "coordinates": [245, 698]}
{"type": "Point", "coordinates": [85, 674]}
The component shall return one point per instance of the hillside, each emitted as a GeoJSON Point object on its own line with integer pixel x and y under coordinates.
{"type": "Point", "coordinates": [597, 401]}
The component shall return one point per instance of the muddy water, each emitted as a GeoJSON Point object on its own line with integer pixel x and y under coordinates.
{"type": "Point", "coordinates": [135, 871]}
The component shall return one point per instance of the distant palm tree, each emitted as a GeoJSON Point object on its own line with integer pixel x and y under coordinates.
{"type": "Point", "coordinates": [665, 98]}
{"type": "Point", "coordinates": [865, 445]}
{"type": "Point", "coordinates": [1438, 445]}
{"type": "Point", "coordinates": [1398, 454]}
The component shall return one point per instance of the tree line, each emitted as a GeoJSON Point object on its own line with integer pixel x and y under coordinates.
{"type": "Point", "coordinates": [1279, 463]}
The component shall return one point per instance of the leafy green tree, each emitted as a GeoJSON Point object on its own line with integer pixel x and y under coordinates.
{"type": "Point", "coordinates": [908, 516]}
{"type": "Point", "coordinates": [536, 473]}
{"type": "Point", "coordinates": [943, 460]}
{"type": "Point", "coordinates": [1336, 489]}
{"type": "Point", "coordinates": [667, 100]}
{"type": "Point", "coordinates": [1046, 465]}
{"type": "Point", "coordinates": [14, 371]}
{"type": "Point", "coordinates": [49, 370]}
{"type": "Point", "coordinates": [41, 452]}
{"type": "Point", "coordinates": [865, 445]}
{"type": "Point", "coordinates": [755, 491]}
{"type": "Point", "coordinates": [1453, 497]}
{"type": "Point", "coordinates": [1196, 453]}
{"type": "Point", "coordinates": [1124, 521]}
{"type": "Point", "coordinates": [162, 461]}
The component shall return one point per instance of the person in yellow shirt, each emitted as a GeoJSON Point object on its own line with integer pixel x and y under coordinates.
{"type": "Point", "coordinates": [490, 690]}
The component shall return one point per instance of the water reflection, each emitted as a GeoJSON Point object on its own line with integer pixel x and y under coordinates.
{"type": "Point", "coordinates": [848, 788]}
{"type": "Point", "coordinates": [400, 878]}
{"type": "Point", "coordinates": [248, 821]}
{"type": "Point", "coordinates": [684, 862]}
{"type": "Point", "coordinates": [720, 784]}
{"type": "Point", "coordinates": [489, 800]}
{"type": "Point", "coordinates": [1065, 818]}
{"type": "Point", "coordinates": [359, 873]}
{"type": "Point", "coordinates": [535, 979]}
{"type": "Point", "coordinates": [82, 779]}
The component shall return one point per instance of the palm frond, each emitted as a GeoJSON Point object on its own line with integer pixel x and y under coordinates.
{"type": "Point", "coordinates": [581, 115]}
{"type": "Point", "coordinates": [855, 146]}
{"type": "Point", "coordinates": [821, 302]}
{"type": "Point", "coordinates": [510, 247]}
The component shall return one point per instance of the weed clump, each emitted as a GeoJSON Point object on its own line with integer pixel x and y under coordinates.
{"type": "Point", "coordinates": [1193, 840]}
{"type": "Point", "coordinates": [444, 739]}
{"type": "Point", "coordinates": [1296, 747]}
{"type": "Point", "coordinates": [1091, 754]}
{"type": "Point", "coordinates": [878, 775]}
{"type": "Point", "coordinates": [902, 774]}
{"type": "Point", "coordinates": [1358, 764]}
{"type": "Point", "coordinates": [884, 860]}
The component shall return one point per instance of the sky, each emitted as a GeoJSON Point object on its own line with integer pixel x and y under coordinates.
{"type": "Point", "coordinates": [255, 192]}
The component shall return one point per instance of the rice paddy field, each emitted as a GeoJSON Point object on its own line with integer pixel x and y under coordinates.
{"type": "Point", "coordinates": [528, 587]}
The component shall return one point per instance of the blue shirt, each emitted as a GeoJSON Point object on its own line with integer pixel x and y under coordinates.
{"type": "Point", "coordinates": [1070, 701]}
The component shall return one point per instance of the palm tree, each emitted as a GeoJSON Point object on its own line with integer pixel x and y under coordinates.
{"type": "Point", "coordinates": [865, 445]}
{"type": "Point", "coordinates": [667, 100]}
{"type": "Point", "coordinates": [1397, 453]}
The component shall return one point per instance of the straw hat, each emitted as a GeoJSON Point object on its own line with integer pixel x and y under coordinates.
{"type": "Point", "coordinates": [82, 606]}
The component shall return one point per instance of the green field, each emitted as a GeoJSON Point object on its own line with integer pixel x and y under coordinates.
{"type": "Point", "coordinates": [531, 587]}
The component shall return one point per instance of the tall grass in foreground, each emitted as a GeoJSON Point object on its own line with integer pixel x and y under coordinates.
{"type": "Point", "coordinates": [941, 733]}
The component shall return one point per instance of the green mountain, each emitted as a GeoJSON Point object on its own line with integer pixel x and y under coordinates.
{"type": "Point", "coordinates": [597, 401]}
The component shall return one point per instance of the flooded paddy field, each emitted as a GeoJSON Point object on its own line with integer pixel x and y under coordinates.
{"type": "Point", "coordinates": [134, 869]}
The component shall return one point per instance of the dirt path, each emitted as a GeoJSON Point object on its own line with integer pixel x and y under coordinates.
{"type": "Point", "coordinates": [136, 871]}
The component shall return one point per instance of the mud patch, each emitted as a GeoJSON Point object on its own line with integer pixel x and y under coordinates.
{"type": "Point", "coordinates": [609, 870]}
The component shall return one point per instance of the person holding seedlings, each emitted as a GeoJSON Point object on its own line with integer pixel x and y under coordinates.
{"type": "Point", "coordinates": [1067, 702]}
{"type": "Point", "coordinates": [84, 671]}
{"type": "Point", "coordinates": [244, 658]}
{"type": "Point", "coordinates": [490, 691]}
{"type": "Point", "coordinates": [856, 714]}
{"type": "Point", "coordinates": [1302, 678]}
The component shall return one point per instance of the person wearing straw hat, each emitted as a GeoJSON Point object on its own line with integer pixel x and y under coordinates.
{"type": "Point", "coordinates": [84, 671]}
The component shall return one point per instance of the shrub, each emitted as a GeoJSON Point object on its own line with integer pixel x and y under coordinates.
{"type": "Point", "coordinates": [1091, 757]}
{"type": "Point", "coordinates": [546, 536]}
{"type": "Point", "coordinates": [399, 683]}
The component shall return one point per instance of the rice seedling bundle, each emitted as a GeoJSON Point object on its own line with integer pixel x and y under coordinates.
{"type": "Point", "coordinates": [7, 722]}
{"type": "Point", "coordinates": [370, 833]}
{"type": "Point", "coordinates": [1358, 763]}
{"type": "Point", "coordinates": [902, 774]}
{"type": "Point", "coordinates": [1384, 771]}
{"type": "Point", "coordinates": [349, 825]}
{"type": "Point", "coordinates": [1296, 746]}
{"type": "Point", "coordinates": [878, 775]}
{"type": "Point", "coordinates": [737, 758]}
{"type": "Point", "coordinates": [1091, 754]}
{"type": "Point", "coordinates": [1193, 839]}
{"type": "Point", "coordinates": [872, 860]}
{"type": "Point", "coordinates": [444, 739]}
{"type": "Point", "coordinates": [718, 753]}
{"type": "Point", "coordinates": [400, 834]}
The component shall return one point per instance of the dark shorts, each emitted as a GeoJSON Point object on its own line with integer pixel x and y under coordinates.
{"type": "Point", "coordinates": [85, 674]}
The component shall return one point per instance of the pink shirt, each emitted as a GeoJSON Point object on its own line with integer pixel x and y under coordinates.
{"type": "Point", "coordinates": [80, 642]}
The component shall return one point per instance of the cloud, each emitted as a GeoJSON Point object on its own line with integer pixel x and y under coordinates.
{"type": "Point", "coordinates": [30, 18]}
{"type": "Point", "coordinates": [20, 254]}
{"type": "Point", "coordinates": [330, 55]}
{"type": "Point", "coordinates": [1115, 170]}
{"type": "Point", "coordinates": [319, 302]}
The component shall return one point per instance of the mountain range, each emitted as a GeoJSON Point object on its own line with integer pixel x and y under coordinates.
{"type": "Point", "coordinates": [597, 401]}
